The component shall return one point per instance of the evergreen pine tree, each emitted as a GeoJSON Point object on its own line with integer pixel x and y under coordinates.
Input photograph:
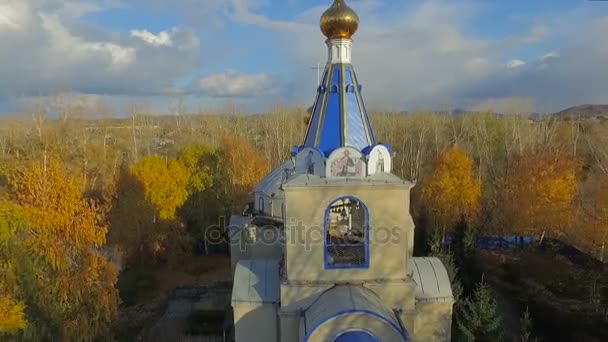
{"type": "Point", "coordinates": [526, 327]}
{"type": "Point", "coordinates": [479, 320]}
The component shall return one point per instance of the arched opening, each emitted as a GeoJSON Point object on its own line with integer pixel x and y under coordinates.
{"type": "Point", "coordinates": [347, 234]}
{"type": "Point", "coordinates": [356, 336]}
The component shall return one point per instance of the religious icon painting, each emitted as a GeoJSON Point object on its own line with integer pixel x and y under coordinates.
{"type": "Point", "coordinates": [346, 162]}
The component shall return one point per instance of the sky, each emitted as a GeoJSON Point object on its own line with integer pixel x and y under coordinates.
{"type": "Point", "coordinates": [544, 55]}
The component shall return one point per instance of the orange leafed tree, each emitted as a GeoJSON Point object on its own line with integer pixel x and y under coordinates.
{"type": "Point", "coordinates": [244, 166]}
{"type": "Point", "coordinates": [165, 184]}
{"type": "Point", "coordinates": [539, 191]}
{"type": "Point", "coordinates": [243, 163]}
{"type": "Point", "coordinates": [63, 271]}
{"type": "Point", "coordinates": [453, 191]}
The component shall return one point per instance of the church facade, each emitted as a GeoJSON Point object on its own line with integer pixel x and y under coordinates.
{"type": "Point", "coordinates": [326, 254]}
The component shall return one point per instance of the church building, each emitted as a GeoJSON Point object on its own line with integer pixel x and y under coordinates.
{"type": "Point", "coordinates": [326, 254]}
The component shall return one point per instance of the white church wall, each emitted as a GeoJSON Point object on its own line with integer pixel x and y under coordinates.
{"type": "Point", "coordinates": [255, 295]}
{"type": "Point", "coordinates": [390, 224]}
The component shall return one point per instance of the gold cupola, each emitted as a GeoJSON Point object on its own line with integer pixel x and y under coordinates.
{"type": "Point", "coordinates": [339, 21]}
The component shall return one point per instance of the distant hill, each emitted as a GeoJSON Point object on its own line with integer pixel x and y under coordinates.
{"type": "Point", "coordinates": [584, 111]}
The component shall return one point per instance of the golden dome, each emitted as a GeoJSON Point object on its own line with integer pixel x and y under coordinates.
{"type": "Point", "coordinates": [339, 21]}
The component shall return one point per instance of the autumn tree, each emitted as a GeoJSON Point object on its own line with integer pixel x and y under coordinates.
{"type": "Point", "coordinates": [244, 168]}
{"type": "Point", "coordinates": [538, 192]}
{"type": "Point", "coordinates": [206, 201]}
{"type": "Point", "coordinates": [12, 310]}
{"type": "Point", "coordinates": [165, 184]}
{"type": "Point", "coordinates": [201, 161]}
{"type": "Point", "coordinates": [56, 255]}
{"type": "Point", "coordinates": [144, 204]}
{"type": "Point", "coordinates": [452, 193]}
{"type": "Point", "coordinates": [12, 316]}
{"type": "Point", "coordinates": [131, 218]}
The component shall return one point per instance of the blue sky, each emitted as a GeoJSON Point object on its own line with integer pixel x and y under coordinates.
{"type": "Point", "coordinates": [541, 55]}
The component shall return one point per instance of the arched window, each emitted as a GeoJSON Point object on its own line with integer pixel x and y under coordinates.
{"type": "Point", "coordinates": [261, 205]}
{"type": "Point", "coordinates": [347, 234]}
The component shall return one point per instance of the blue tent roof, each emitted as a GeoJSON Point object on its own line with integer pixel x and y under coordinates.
{"type": "Point", "coordinates": [339, 117]}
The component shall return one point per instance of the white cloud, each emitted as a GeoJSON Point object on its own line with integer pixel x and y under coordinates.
{"type": "Point", "coordinates": [578, 76]}
{"type": "Point", "coordinates": [235, 84]}
{"type": "Point", "coordinates": [422, 53]}
{"type": "Point", "coordinates": [162, 39]}
{"type": "Point", "coordinates": [49, 48]}
{"type": "Point", "coordinates": [13, 14]}
{"type": "Point", "coordinates": [515, 63]}
{"type": "Point", "coordinates": [550, 55]}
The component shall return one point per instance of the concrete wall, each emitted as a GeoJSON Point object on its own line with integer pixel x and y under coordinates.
{"type": "Point", "coordinates": [255, 323]}
{"type": "Point", "coordinates": [391, 232]}
{"type": "Point", "coordinates": [433, 321]}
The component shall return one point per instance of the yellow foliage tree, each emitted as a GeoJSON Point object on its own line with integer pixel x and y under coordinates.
{"type": "Point", "coordinates": [538, 192]}
{"type": "Point", "coordinates": [143, 215]}
{"type": "Point", "coordinates": [201, 162]}
{"type": "Point", "coordinates": [12, 316]}
{"type": "Point", "coordinates": [206, 202]}
{"type": "Point", "coordinates": [453, 191]}
{"type": "Point", "coordinates": [59, 259]}
{"type": "Point", "coordinates": [165, 184]}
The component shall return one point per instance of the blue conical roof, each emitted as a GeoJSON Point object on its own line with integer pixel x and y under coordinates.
{"type": "Point", "coordinates": [339, 117]}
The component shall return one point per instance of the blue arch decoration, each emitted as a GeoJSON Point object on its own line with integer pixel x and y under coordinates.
{"type": "Point", "coordinates": [392, 324]}
{"type": "Point", "coordinates": [365, 265]}
{"type": "Point", "coordinates": [356, 336]}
